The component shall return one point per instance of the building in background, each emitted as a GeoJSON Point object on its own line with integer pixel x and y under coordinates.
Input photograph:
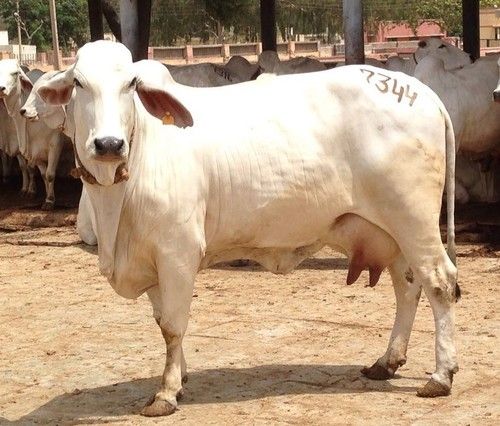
{"type": "Point", "coordinates": [4, 38]}
{"type": "Point", "coordinates": [391, 31]}
{"type": "Point", "coordinates": [489, 26]}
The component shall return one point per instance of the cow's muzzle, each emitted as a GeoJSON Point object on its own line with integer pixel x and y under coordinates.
{"type": "Point", "coordinates": [496, 95]}
{"type": "Point", "coordinates": [29, 116]}
{"type": "Point", "coordinates": [108, 148]}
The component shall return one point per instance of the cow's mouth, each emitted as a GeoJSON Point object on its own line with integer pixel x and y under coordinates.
{"type": "Point", "coordinates": [32, 117]}
{"type": "Point", "coordinates": [108, 157]}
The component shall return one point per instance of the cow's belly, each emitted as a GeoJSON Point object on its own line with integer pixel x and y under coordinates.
{"type": "Point", "coordinates": [365, 244]}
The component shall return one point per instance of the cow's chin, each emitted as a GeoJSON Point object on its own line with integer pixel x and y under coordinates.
{"type": "Point", "coordinates": [105, 171]}
{"type": "Point", "coordinates": [32, 118]}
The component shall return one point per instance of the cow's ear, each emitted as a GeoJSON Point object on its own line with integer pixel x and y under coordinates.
{"type": "Point", "coordinates": [57, 90]}
{"type": "Point", "coordinates": [164, 106]}
{"type": "Point", "coordinates": [26, 83]}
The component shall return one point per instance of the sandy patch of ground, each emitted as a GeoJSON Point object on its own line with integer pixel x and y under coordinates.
{"type": "Point", "coordinates": [261, 348]}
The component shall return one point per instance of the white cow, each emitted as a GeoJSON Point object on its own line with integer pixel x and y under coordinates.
{"type": "Point", "coordinates": [61, 120]}
{"type": "Point", "coordinates": [13, 81]}
{"type": "Point", "coordinates": [171, 200]}
{"type": "Point", "coordinates": [466, 93]}
{"type": "Point", "coordinates": [452, 56]}
{"type": "Point", "coordinates": [269, 62]}
{"type": "Point", "coordinates": [9, 145]}
{"type": "Point", "coordinates": [44, 143]}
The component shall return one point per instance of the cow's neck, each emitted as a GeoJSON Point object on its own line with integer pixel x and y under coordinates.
{"type": "Point", "coordinates": [13, 105]}
{"type": "Point", "coordinates": [107, 202]}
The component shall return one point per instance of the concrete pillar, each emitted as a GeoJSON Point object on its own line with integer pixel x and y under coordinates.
{"type": "Point", "coordinates": [470, 23]}
{"type": "Point", "coordinates": [291, 48]}
{"type": "Point", "coordinates": [353, 32]}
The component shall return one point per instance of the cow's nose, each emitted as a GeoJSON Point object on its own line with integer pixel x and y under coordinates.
{"type": "Point", "coordinates": [108, 145]}
{"type": "Point", "coordinates": [496, 95]}
{"type": "Point", "coordinates": [2, 88]}
{"type": "Point", "coordinates": [22, 111]}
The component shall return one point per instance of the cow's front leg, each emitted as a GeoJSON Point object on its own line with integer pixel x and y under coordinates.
{"type": "Point", "coordinates": [407, 293]}
{"type": "Point", "coordinates": [171, 300]}
{"type": "Point", "coordinates": [55, 149]}
{"type": "Point", "coordinates": [6, 167]}
{"type": "Point", "coordinates": [24, 172]}
{"type": "Point", "coordinates": [32, 182]}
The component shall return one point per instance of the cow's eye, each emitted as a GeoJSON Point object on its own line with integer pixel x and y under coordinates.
{"type": "Point", "coordinates": [77, 83]}
{"type": "Point", "coordinates": [442, 46]}
{"type": "Point", "coordinates": [15, 74]}
{"type": "Point", "coordinates": [132, 83]}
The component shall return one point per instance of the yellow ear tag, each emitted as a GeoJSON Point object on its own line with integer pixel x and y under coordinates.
{"type": "Point", "coordinates": [168, 119]}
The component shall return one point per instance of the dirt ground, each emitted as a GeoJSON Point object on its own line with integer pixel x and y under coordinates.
{"type": "Point", "coordinates": [261, 348]}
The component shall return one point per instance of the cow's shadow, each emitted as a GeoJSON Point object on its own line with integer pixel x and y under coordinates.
{"type": "Point", "coordinates": [222, 385]}
{"type": "Point", "coordinates": [314, 263]}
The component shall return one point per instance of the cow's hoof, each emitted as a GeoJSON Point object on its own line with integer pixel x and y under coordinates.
{"type": "Point", "coordinates": [48, 206]}
{"type": "Point", "coordinates": [377, 372]}
{"type": "Point", "coordinates": [158, 407]}
{"type": "Point", "coordinates": [433, 389]}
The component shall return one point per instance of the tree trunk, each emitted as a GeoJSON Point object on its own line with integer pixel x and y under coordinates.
{"type": "Point", "coordinates": [112, 19]}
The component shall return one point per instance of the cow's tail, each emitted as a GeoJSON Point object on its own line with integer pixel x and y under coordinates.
{"type": "Point", "coordinates": [450, 187]}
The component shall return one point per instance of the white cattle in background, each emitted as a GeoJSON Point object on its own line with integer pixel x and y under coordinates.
{"type": "Point", "coordinates": [13, 81]}
{"type": "Point", "coordinates": [368, 61]}
{"type": "Point", "coordinates": [45, 140]}
{"type": "Point", "coordinates": [61, 120]}
{"type": "Point", "coordinates": [241, 67]}
{"type": "Point", "coordinates": [311, 166]}
{"type": "Point", "coordinates": [452, 56]}
{"type": "Point", "coordinates": [467, 95]}
{"type": "Point", "coordinates": [269, 62]}
{"type": "Point", "coordinates": [237, 70]}
{"type": "Point", "coordinates": [9, 145]}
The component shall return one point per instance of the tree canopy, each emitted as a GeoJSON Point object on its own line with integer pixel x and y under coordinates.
{"type": "Point", "coordinates": [35, 22]}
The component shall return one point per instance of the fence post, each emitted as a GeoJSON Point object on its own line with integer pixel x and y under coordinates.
{"type": "Point", "coordinates": [188, 53]}
{"type": "Point", "coordinates": [291, 48]}
{"type": "Point", "coordinates": [225, 51]}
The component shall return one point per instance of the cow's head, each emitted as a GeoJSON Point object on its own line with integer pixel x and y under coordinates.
{"type": "Point", "coordinates": [12, 81]}
{"type": "Point", "coordinates": [106, 116]}
{"type": "Point", "coordinates": [36, 108]}
{"type": "Point", "coordinates": [452, 56]}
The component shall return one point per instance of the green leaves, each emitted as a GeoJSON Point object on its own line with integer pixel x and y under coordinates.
{"type": "Point", "coordinates": [35, 22]}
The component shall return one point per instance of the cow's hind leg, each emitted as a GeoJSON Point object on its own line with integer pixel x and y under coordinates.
{"type": "Point", "coordinates": [439, 283]}
{"type": "Point", "coordinates": [407, 293]}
